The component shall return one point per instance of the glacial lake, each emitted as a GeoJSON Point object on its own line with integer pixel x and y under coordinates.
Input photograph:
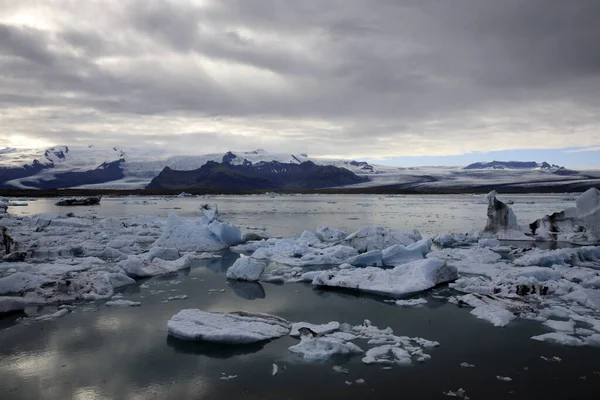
{"type": "Point", "coordinates": [99, 352]}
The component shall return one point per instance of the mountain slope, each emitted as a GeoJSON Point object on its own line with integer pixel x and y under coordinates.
{"type": "Point", "coordinates": [261, 176]}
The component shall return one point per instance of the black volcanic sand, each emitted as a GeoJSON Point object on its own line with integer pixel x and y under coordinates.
{"type": "Point", "coordinates": [124, 353]}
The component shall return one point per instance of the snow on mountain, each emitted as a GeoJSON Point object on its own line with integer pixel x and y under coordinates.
{"type": "Point", "coordinates": [134, 169]}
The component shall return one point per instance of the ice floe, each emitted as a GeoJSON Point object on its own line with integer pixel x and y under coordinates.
{"type": "Point", "coordinates": [232, 328]}
{"type": "Point", "coordinates": [323, 348]}
{"type": "Point", "coordinates": [402, 281]}
{"type": "Point", "coordinates": [246, 269]}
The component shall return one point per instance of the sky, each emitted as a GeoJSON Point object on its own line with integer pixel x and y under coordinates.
{"type": "Point", "coordinates": [401, 82]}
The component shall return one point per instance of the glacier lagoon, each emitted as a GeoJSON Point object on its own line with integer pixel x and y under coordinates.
{"type": "Point", "coordinates": [97, 351]}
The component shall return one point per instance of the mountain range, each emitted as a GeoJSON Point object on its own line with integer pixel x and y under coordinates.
{"type": "Point", "coordinates": [93, 167]}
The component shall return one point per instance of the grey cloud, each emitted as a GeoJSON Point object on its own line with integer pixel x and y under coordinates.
{"type": "Point", "coordinates": [393, 70]}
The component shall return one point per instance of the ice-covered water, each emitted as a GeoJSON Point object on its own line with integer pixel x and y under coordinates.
{"type": "Point", "coordinates": [288, 215]}
{"type": "Point", "coordinates": [101, 352]}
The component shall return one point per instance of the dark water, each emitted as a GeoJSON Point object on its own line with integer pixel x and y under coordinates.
{"type": "Point", "coordinates": [124, 353]}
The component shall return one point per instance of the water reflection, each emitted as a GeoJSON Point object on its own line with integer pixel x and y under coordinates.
{"type": "Point", "coordinates": [247, 290]}
{"type": "Point", "coordinates": [213, 350]}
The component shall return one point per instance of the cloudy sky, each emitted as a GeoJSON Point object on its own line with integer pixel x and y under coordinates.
{"type": "Point", "coordinates": [398, 80]}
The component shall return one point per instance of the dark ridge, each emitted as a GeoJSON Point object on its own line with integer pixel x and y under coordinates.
{"type": "Point", "coordinates": [271, 175]}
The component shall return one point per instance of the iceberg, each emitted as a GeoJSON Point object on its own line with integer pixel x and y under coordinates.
{"type": "Point", "coordinates": [502, 221]}
{"type": "Point", "coordinates": [238, 327]}
{"type": "Point", "coordinates": [387, 354]}
{"type": "Point", "coordinates": [139, 266]}
{"type": "Point", "coordinates": [11, 303]}
{"type": "Point", "coordinates": [316, 329]}
{"type": "Point", "coordinates": [323, 348]}
{"type": "Point", "coordinates": [402, 281]}
{"type": "Point", "coordinates": [379, 238]}
{"type": "Point", "coordinates": [246, 269]}
{"type": "Point", "coordinates": [198, 235]}
{"type": "Point", "coordinates": [588, 211]}
{"type": "Point", "coordinates": [399, 254]}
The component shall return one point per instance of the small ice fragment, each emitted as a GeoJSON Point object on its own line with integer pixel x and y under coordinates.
{"type": "Point", "coordinates": [411, 302]}
{"type": "Point", "coordinates": [275, 370]}
{"type": "Point", "coordinates": [360, 381]}
{"type": "Point", "coordinates": [123, 303]}
{"type": "Point", "coordinates": [466, 365]}
{"type": "Point", "coordinates": [180, 297]}
{"type": "Point", "coordinates": [460, 393]}
{"type": "Point", "coordinates": [557, 359]}
{"type": "Point", "coordinates": [544, 358]}
{"type": "Point", "coordinates": [222, 290]}
{"type": "Point", "coordinates": [348, 383]}
{"type": "Point", "coordinates": [583, 378]}
{"type": "Point", "coordinates": [340, 369]}
{"type": "Point", "coordinates": [228, 377]}
{"type": "Point", "coordinates": [503, 378]}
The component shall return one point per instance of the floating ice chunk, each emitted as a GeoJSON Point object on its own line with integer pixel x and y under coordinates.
{"type": "Point", "coordinates": [493, 309]}
{"type": "Point", "coordinates": [136, 266]}
{"type": "Point", "coordinates": [502, 221]}
{"type": "Point", "coordinates": [399, 254]}
{"type": "Point", "coordinates": [110, 223]}
{"type": "Point", "coordinates": [360, 381]}
{"type": "Point", "coordinates": [548, 258]}
{"type": "Point", "coordinates": [20, 282]}
{"type": "Point", "coordinates": [329, 235]}
{"type": "Point", "coordinates": [456, 239]}
{"type": "Point", "coordinates": [210, 211]}
{"type": "Point", "coordinates": [559, 338]}
{"type": "Point", "coordinates": [379, 238]}
{"type": "Point", "coordinates": [10, 304]}
{"type": "Point", "coordinates": [228, 377]}
{"type": "Point", "coordinates": [309, 238]}
{"type": "Point", "coordinates": [497, 316]}
{"type": "Point", "coordinates": [369, 259]}
{"type": "Point", "coordinates": [460, 393]}
{"type": "Point", "coordinates": [239, 327]}
{"type": "Point", "coordinates": [588, 210]}
{"type": "Point", "coordinates": [586, 297]}
{"type": "Point", "coordinates": [274, 370]}
{"type": "Point", "coordinates": [387, 354]}
{"type": "Point", "coordinates": [466, 365]}
{"type": "Point", "coordinates": [58, 314]}
{"type": "Point", "coordinates": [402, 281]}
{"type": "Point", "coordinates": [474, 260]}
{"type": "Point", "coordinates": [323, 348]}
{"type": "Point", "coordinates": [188, 236]}
{"type": "Point", "coordinates": [345, 336]}
{"type": "Point", "coordinates": [488, 243]}
{"type": "Point", "coordinates": [561, 326]}
{"type": "Point", "coordinates": [411, 302]}
{"type": "Point", "coordinates": [246, 269]}
{"type": "Point", "coordinates": [318, 329]}
{"type": "Point", "coordinates": [179, 297]}
{"type": "Point", "coordinates": [123, 303]}
{"type": "Point", "coordinates": [227, 233]}
{"type": "Point", "coordinates": [340, 369]}
{"type": "Point", "coordinates": [504, 378]}
{"type": "Point", "coordinates": [164, 253]}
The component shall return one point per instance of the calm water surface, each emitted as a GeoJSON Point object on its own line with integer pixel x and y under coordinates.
{"type": "Point", "coordinates": [288, 215]}
{"type": "Point", "coordinates": [98, 352]}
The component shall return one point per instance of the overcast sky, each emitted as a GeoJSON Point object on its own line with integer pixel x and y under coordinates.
{"type": "Point", "coordinates": [366, 79]}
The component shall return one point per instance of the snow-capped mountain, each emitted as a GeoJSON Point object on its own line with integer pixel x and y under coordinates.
{"type": "Point", "coordinates": [115, 168]}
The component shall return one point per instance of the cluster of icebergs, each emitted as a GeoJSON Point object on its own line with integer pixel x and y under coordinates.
{"type": "Point", "coordinates": [54, 258]}
{"type": "Point", "coordinates": [57, 258]}
{"type": "Point", "coordinates": [317, 342]}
